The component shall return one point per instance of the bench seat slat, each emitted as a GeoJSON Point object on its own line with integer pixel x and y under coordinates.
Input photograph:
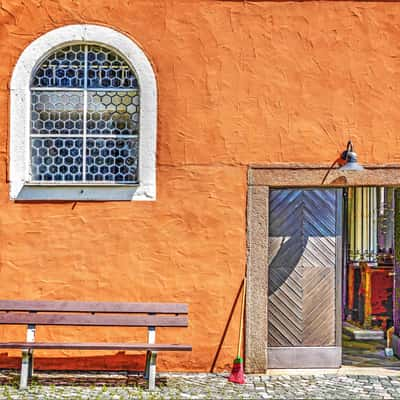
{"type": "Point", "coordinates": [96, 346]}
{"type": "Point", "coordinates": [90, 306]}
{"type": "Point", "coordinates": [18, 318]}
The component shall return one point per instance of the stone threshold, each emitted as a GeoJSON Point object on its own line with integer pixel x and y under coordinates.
{"type": "Point", "coordinates": [362, 334]}
{"type": "Point", "coordinates": [342, 371]}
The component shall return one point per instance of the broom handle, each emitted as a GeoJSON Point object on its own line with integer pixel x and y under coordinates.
{"type": "Point", "coordinates": [241, 318]}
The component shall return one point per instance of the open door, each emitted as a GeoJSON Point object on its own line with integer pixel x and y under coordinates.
{"type": "Point", "coordinates": [396, 289]}
{"type": "Point", "coordinates": [304, 278]}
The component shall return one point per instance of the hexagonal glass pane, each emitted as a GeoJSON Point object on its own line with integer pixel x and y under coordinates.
{"type": "Point", "coordinates": [62, 113]}
{"type": "Point", "coordinates": [57, 114]}
{"type": "Point", "coordinates": [112, 160]}
{"type": "Point", "coordinates": [106, 69]}
{"type": "Point", "coordinates": [107, 118]}
{"type": "Point", "coordinates": [57, 159]}
{"type": "Point", "coordinates": [63, 68]}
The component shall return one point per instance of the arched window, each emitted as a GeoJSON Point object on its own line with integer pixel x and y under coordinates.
{"type": "Point", "coordinates": [91, 127]}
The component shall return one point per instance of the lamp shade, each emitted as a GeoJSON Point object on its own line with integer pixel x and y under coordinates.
{"type": "Point", "coordinates": [351, 162]}
{"type": "Point", "coordinates": [351, 166]}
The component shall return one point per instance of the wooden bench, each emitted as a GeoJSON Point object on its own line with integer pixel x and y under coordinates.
{"type": "Point", "coordinates": [71, 313]}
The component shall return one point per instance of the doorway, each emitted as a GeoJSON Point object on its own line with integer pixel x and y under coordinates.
{"type": "Point", "coordinates": [368, 277]}
{"type": "Point", "coordinates": [262, 181]}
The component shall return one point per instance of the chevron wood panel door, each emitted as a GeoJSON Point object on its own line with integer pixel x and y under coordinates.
{"type": "Point", "coordinates": [303, 258]}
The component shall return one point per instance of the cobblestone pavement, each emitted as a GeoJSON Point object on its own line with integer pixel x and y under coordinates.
{"type": "Point", "coordinates": [216, 386]}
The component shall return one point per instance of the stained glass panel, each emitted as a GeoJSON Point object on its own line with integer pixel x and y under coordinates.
{"type": "Point", "coordinates": [112, 160]}
{"type": "Point", "coordinates": [57, 113]}
{"type": "Point", "coordinates": [91, 94]}
{"type": "Point", "coordinates": [63, 68]}
{"type": "Point", "coordinates": [57, 159]}
{"type": "Point", "coordinates": [115, 113]}
{"type": "Point", "coordinates": [106, 69]}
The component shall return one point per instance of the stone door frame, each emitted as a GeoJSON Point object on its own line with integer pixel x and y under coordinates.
{"type": "Point", "coordinates": [260, 179]}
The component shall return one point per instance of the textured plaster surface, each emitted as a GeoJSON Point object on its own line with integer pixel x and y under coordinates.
{"type": "Point", "coordinates": [239, 82]}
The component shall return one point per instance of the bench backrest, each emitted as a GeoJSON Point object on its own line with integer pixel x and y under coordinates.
{"type": "Point", "coordinates": [22, 312]}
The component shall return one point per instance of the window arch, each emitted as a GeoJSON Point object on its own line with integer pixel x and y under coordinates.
{"type": "Point", "coordinates": [83, 118]}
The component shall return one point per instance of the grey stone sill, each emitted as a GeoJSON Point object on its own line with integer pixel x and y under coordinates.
{"type": "Point", "coordinates": [82, 192]}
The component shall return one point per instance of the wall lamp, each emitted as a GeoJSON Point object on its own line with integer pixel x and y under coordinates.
{"type": "Point", "coordinates": [349, 158]}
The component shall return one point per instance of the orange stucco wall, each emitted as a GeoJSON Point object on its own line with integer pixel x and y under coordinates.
{"type": "Point", "coordinates": [239, 82]}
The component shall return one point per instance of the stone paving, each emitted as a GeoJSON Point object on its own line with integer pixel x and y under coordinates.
{"type": "Point", "coordinates": [216, 386]}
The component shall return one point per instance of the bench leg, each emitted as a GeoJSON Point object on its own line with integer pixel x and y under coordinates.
{"type": "Point", "coordinates": [27, 358]}
{"type": "Point", "coordinates": [24, 370]}
{"type": "Point", "coordinates": [147, 365]}
{"type": "Point", "coordinates": [152, 370]}
{"type": "Point", "coordinates": [30, 369]}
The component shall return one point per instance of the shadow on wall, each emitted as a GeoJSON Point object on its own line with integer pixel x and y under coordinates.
{"type": "Point", "coordinates": [227, 325]}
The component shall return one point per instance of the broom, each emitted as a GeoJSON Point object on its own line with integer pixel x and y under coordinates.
{"type": "Point", "coordinates": [237, 374]}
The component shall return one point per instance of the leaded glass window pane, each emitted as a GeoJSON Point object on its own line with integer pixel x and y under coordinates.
{"type": "Point", "coordinates": [63, 68]}
{"type": "Point", "coordinates": [57, 159]}
{"type": "Point", "coordinates": [57, 113]}
{"type": "Point", "coordinates": [107, 69]}
{"type": "Point", "coordinates": [112, 160]}
{"type": "Point", "coordinates": [84, 117]}
{"type": "Point", "coordinates": [115, 113]}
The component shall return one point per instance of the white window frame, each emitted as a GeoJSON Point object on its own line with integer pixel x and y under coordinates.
{"type": "Point", "coordinates": [20, 110]}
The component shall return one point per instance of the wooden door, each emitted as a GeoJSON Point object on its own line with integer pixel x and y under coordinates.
{"type": "Point", "coordinates": [304, 269]}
